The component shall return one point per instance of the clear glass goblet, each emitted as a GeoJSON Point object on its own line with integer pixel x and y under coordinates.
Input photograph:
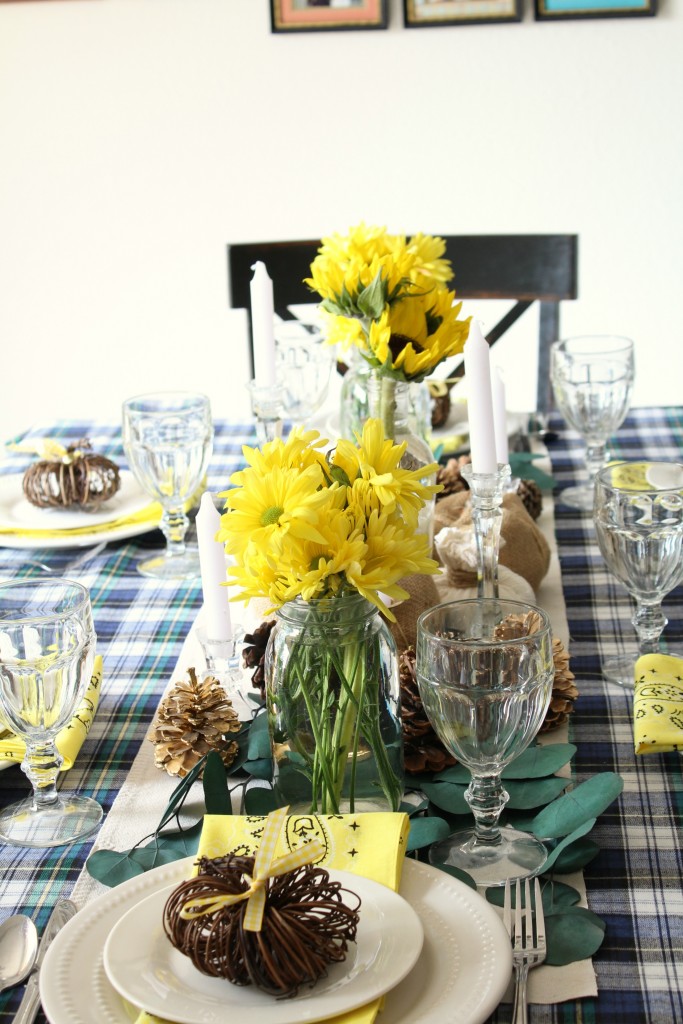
{"type": "Point", "coordinates": [639, 523]}
{"type": "Point", "coordinates": [592, 379]}
{"type": "Point", "coordinates": [486, 689]}
{"type": "Point", "coordinates": [303, 365]}
{"type": "Point", "coordinates": [47, 648]}
{"type": "Point", "coordinates": [168, 439]}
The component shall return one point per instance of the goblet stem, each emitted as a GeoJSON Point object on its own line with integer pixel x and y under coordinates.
{"type": "Point", "coordinates": [596, 457]}
{"type": "Point", "coordinates": [41, 766]}
{"type": "Point", "coordinates": [486, 798]}
{"type": "Point", "coordinates": [649, 621]}
{"type": "Point", "coordinates": [174, 524]}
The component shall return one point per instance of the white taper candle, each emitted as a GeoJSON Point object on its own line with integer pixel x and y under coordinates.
{"type": "Point", "coordinates": [480, 402]}
{"type": "Point", "coordinates": [262, 325]}
{"type": "Point", "coordinates": [212, 562]}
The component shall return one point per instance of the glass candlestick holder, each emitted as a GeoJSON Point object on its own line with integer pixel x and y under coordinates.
{"type": "Point", "coordinates": [224, 662]}
{"type": "Point", "coordinates": [267, 406]}
{"type": "Point", "coordinates": [486, 496]}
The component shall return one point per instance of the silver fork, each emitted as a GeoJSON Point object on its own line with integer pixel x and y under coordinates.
{"type": "Point", "coordinates": [526, 928]}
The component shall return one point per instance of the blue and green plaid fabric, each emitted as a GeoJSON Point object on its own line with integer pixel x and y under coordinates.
{"type": "Point", "coordinates": [634, 884]}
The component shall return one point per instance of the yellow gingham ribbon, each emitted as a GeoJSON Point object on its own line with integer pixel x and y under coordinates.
{"type": "Point", "coordinates": [264, 868]}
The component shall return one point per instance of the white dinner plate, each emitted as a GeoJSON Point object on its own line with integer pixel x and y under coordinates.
{"type": "Point", "coordinates": [460, 976]}
{"type": "Point", "coordinates": [16, 513]}
{"type": "Point", "coordinates": [147, 970]}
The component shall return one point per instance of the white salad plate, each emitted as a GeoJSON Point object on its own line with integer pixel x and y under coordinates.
{"type": "Point", "coordinates": [147, 970]}
{"type": "Point", "coordinates": [18, 514]}
{"type": "Point", "coordinates": [459, 978]}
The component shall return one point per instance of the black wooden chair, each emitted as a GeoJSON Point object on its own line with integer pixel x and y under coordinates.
{"type": "Point", "coordinates": [524, 268]}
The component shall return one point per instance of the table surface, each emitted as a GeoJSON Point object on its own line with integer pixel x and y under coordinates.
{"type": "Point", "coordinates": [634, 883]}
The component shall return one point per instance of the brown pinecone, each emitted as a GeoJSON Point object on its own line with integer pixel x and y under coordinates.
{"type": "Point", "coordinates": [449, 476]}
{"type": "Point", "coordinates": [532, 497]}
{"type": "Point", "coordinates": [254, 655]}
{"type": "Point", "coordinates": [564, 691]}
{"type": "Point", "coordinates": [422, 748]}
{"type": "Point", "coordinates": [194, 718]}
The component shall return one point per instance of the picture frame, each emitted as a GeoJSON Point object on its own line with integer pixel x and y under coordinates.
{"type": "Point", "coordinates": [557, 10]}
{"type": "Point", "coordinates": [426, 13]}
{"type": "Point", "coordinates": [327, 15]}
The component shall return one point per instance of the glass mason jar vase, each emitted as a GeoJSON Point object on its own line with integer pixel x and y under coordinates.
{"type": "Point", "coordinates": [394, 403]}
{"type": "Point", "coordinates": [333, 705]}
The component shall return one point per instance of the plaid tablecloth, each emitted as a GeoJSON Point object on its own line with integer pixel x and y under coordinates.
{"type": "Point", "coordinates": [635, 882]}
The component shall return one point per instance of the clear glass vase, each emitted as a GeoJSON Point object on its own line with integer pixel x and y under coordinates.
{"type": "Point", "coordinates": [333, 705]}
{"type": "Point", "coordinates": [355, 402]}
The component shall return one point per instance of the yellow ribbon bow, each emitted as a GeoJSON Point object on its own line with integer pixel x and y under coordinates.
{"type": "Point", "coordinates": [264, 868]}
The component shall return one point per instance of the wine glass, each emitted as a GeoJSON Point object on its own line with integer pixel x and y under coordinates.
{"type": "Point", "coordinates": [592, 379]}
{"type": "Point", "coordinates": [303, 364]}
{"type": "Point", "coordinates": [485, 685]}
{"type": "Point", "coordinates": [168, 439]}
{"type": "Point", "coordinates": [47, 649]}
{"type": "Point", "coordinates": [639, 522]}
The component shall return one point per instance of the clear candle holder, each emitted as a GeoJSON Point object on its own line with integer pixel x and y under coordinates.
{"type": "Point", "coordinates": [486, 496]}
{"type": "Point", "coordinates": [267, 406]}
{"type": "Point", "coordinates": [223, 661]}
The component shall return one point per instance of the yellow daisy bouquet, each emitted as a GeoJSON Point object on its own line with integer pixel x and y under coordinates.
{"type": "Point", "coordinates": [326, 538]}
{"type": "Point", "coordinates": [387, 295]}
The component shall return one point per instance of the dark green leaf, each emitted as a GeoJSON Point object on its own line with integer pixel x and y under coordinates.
{"type": "Point", "coordinates": [537, 762]}
{"type": "Point", "coordinates": [534, 792]}
{"type": "Point", "coordinates": [425, 831]}
{"type": "Point", "coordinates": [412, 809]}
{"type": "Point", "coordinates": [565, 843]}
{"type": "Point", "coordinates": [215, 782]}
{"type": "Point", "coordinates": [458, 873]}
{"type": "Point", "coordinates": [179, 794]}
{"type": "Point", "coordinates": [456, 773]}
{"type": "Point", "coordinates": [184, 843]}
{"type": "Point", "coordinates": [522, 465]}
{"type": "Point", "coordinates": [555, 895]}
{"type": "Point", "coordinates": [111, 867]}
{"type": "Point", "coordinates": [586, 801]}
{"type": "Point", "coordinates": [259, 739]}
{"type": "Point", "coordinates": [573, 934]}
{"type": "Point", "coordinates": [576, 856]}
{"type": "Point", "coordinates": [447, 797]}
{"type": "Point", "coordinates": [261, 769]}
{"type": "Point", "coordinates": [258, 800]}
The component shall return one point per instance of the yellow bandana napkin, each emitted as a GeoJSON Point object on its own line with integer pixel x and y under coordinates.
{"type": "Point", "coordinates": [70, 738]}
{"type": "Point", "coordinates": [149, 514]}
{"type": "Point", "coordinates": [372, 845]}
{"type": "Point", "coordinates": [658, 704]}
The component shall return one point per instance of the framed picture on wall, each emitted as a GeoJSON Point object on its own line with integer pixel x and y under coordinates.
{"type": "Point", "coordinates": [553, 10]}
{"type": "Point", "coordinates": [323, 15]}
{"type": "Point", "coordinates": [423, 13]}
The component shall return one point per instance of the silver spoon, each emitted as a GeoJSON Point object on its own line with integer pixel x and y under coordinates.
{"type": "Point", "coordinates": [18, 948]}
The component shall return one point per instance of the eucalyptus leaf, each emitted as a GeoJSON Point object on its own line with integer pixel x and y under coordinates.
{"type": "Point", "coordinates": [565, 843]}
{"type": "Point", "coordinates": [522, 465]}
{"type": "Point", "coordinates": [112, 867]}
{"type": "Point", "coordinates": [183, 842]}
{"type": "Point", "coordinates": [259, 800]}
{"type": "Point", "coordinates": [260, 769]}
{"type": "Point", "coordinates": [179, 794]}
{"type": "Point", "coordinates": [425, 831]}
{"type": "Point", "coordinates": [575, 856]}
{"type": "Point", "coordinates": [456, 773]}
{"type": "Point", "coordinates": [572, 809]}
{"type": "Point", "coordinates": [528, 793]}
{"type": "Point", "coordinates": [412, 809]}
{"type": "Point", "coordinates": [539, 761]}
{"type": "Point", "coordinates": [447, 797]}
{"type": "Point", "coordinates": [259, 738]}
{"type": "Point", "coordinates": [215, 783]}
{"type": "Point", "coordinates": [574, 934]}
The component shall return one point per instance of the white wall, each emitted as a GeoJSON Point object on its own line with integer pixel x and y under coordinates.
{"type": "Point", "coordinates": [138, 137]}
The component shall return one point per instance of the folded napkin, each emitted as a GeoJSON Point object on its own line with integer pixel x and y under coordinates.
{"type": "Point", "coordinates": [372, 845]}
{"type": "Point", "coordinates": [149, 514]}
{"type": "Point", "coordinates": [70, 738]}
{"type": "Point", "coordinates": [658, 704]}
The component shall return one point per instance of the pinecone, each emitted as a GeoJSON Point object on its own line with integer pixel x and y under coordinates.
{"type": "Point", "coordinates": [532, 497]}
{"type": "Point", "coordinates": [192, 719]}
{"type": "Point", "coordinates": [564, 691]}
{"type": "Point", "coordinates": [254, 655]}
{"type": "Point", "coordinates": [422, 748]}
{"type": "Point", "coordinates": [449, 476]}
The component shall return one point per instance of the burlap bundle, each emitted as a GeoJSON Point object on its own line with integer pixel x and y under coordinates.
{"type": "Point", "coordinates": [525, 551]}
{"type": "Point", "coordinates": [423, 595]}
